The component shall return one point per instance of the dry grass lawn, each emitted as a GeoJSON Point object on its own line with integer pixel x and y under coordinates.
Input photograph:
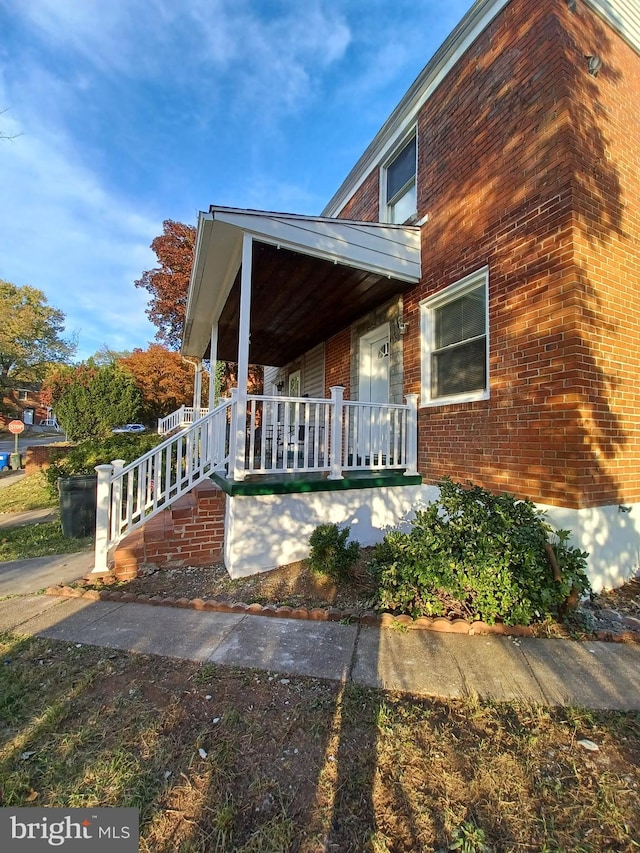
{"type": "Point", "coordinates": [238, 760]}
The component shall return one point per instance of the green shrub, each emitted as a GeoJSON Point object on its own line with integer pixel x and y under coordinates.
{"type": "Point", "coordinates": [83, 458]}
{"type": "Point", "coordinates": [480, 556]}
{"type": "Point", "coordinates": [330, 553]}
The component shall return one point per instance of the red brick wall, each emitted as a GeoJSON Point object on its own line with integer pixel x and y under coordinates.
{"type": "Point", "coordinates": [607, 258]}
{"type": "Point", "coordinates": [38, 457]}
{"type": "Point", "coordinates": [528, 164]}
{"type": "Point", "coordinates": [364, 206]}
{"type": "Point", "coordinates": [191, 533]}
{"type": "Point", "coordinates": [337, 363]}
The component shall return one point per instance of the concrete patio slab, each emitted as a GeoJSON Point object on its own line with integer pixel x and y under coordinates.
{"type": "Point", "coordinates": [589, 674]}
{"type": "Point", "coordinates": [166, 631]}
{"type": "Point", "coordinates": [321, 649]}
{"type": "Point", "coordinates": [419, 662]}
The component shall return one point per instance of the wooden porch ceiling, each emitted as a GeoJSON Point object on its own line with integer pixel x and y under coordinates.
{"type": "Point", "coordinates": [310, 278]}
{"type": "Point", "coordinates": [297, 302]}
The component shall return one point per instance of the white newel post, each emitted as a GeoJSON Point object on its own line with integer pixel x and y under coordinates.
{"type": "Point", "coordinates": [102, 519]}
{"type": "Point", "coordinates": [337, 408]}
{"type": "Point", "coordinates": [412, 435]}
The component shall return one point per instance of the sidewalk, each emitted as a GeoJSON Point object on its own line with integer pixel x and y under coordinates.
{"type": "Point", "coordinates": [551, 672]}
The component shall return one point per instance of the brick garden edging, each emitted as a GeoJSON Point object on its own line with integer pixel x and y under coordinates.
{"type": "Point", "coordinates": [330, 614]}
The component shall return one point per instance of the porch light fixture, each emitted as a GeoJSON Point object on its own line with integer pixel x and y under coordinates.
{"type": "Point", "coordinates": [280, 386]}
{"type": "Point", "coordinates": [402, 326]}
{"type": "Point", "coordinates": [594, 64]}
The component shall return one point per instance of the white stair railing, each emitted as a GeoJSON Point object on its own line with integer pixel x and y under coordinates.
{"type": "Point", "coordinates": [182, 417]}
{"type": "Point", "coordinates": [129, 495]}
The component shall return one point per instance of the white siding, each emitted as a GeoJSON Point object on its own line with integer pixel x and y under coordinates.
{"type": "Point", "coordinates": [313, 372]}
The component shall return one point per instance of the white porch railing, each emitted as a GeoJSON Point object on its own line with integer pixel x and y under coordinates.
{"type": "Point", "coordinates": [182, 417]}
{"type": "Point", "coordinates": [302, 434]}
{"type": "Point", "coordinates": [271, 435]}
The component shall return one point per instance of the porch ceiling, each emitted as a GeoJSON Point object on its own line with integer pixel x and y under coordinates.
{"type": "Point", "coordinates": [311, 277]}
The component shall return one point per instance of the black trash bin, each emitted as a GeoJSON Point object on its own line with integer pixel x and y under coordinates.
{"type": "Point", "coordinates": [78, 499]}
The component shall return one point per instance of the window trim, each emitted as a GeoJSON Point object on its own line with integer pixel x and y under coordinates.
{"type": "Point", "coordinates": [385, 206]}
{"type": "Point", "coordinates": [427, 333]}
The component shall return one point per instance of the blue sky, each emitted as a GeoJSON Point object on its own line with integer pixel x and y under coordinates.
{"type": "Point", "coordinates": [126, 113]}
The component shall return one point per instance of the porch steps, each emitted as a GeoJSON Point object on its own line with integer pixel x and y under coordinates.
{"type": "Point", "coordinates": [189, 533]}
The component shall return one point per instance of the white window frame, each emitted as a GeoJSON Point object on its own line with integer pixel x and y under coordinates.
{"type": "Point", "coordinates": [385, 206]}
{"type": "Point", "coordinates": [427, 337]}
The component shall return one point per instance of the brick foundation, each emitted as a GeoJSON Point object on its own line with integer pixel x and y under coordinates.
{"type": "Point", "coordinates": [190, 533]}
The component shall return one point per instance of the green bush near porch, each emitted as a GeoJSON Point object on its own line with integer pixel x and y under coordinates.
{"type": "Point", "coordinates": [83, 458]}
{"type": "Point", "coordinates": [331, 553]}
{"type": "Point", "coordinates": [477, 555]}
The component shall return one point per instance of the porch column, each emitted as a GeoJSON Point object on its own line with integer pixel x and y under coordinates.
{"type": "Point", "coordinates": [412, 435]}
{"type": "Point", "coordinates": [335, 452]}
{"type": "Point", "coordinates": [213, 363]}
{"type": "Point", "coordinates": [197, 390]}
{"type": "Point", "coordinates": [237, 456]}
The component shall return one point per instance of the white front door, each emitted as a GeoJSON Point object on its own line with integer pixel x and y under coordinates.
{"type": "Point", "coordinates": [372, 429]}
{"type": "Point", "coordinates": [374, 366]}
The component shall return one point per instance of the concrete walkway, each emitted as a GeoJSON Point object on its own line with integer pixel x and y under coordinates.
{"type": "Point", "coordinates": [552, 672]}
{"type": "Point", "coordinates": [21, 577]}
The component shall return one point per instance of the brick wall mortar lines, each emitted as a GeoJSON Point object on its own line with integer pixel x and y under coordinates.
{"type": "Point", "coordinates": [532, 166]}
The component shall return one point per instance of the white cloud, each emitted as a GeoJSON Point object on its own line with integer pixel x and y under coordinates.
{"type": "Point", "coordinates": [210, 44]}
{"type": "Point", "coordinates": [65, 233]}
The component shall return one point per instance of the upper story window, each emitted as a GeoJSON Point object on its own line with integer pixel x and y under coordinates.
{"type": "Point", "coordinates": [399, 182]}
{"type": "Point", "coordinates": [23, 394]}
{"type": "Point", "coordinates": [455, 342]}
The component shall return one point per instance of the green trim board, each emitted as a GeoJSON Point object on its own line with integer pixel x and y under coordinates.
{"type": "Point", "coordinates": [288, 484]}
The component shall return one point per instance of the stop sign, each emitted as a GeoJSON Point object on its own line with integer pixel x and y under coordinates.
{"type": "Point", "coordinates": [16, 427]}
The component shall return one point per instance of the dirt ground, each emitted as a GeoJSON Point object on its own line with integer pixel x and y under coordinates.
{"type": "Point", "coordinates": [294, 586]}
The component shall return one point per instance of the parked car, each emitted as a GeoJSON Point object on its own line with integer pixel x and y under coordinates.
{"type": "Point", "coordinates": [129, 428]}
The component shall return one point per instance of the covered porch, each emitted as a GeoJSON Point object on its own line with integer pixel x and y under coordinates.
{"type": "Point", "coordinates": [267, 288]}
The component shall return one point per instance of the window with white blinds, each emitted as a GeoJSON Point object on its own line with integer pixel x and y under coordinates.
{"type": "Point", "coordinates": [455, 342]}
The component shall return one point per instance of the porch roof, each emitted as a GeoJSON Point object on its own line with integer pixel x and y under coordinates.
{"type": "Point", "coordinates": [311, 277]}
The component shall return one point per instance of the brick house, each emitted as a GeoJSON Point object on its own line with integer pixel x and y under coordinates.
{"type": "Point", "coordinates": [23, 403]}
{"type": "Point", "coordinates": [527, 181]}
{"type": "Point", "coordinates": [512, 168]}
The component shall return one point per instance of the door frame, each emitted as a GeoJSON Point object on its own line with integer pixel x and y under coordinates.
{"type": "Point", "coordinates": [383, 330]}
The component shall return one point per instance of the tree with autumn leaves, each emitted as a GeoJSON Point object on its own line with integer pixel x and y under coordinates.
{"type": "Point", "coordinates": [168, 283]}
{"type": "Point", "coordinates": [163, 378]}
{"type": "Point", "coordinates": [30, 338]}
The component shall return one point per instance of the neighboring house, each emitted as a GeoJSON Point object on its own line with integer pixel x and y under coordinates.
{"type": "Point", "coordinates": [23, 403]}
{"type": "Point", "coordinates": [484, 255]}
